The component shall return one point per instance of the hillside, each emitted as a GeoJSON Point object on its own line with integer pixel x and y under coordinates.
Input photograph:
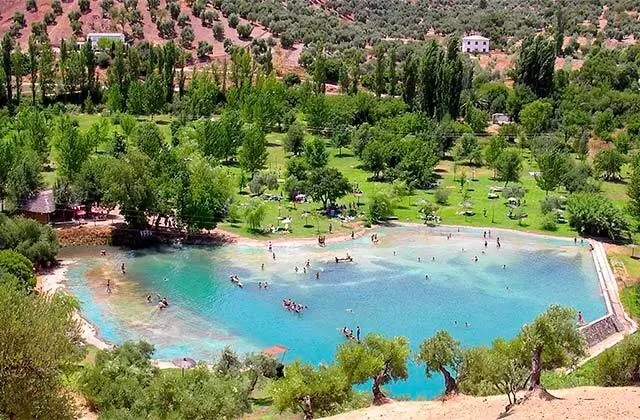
{"type": "Point", "coordinates": [576, 403]}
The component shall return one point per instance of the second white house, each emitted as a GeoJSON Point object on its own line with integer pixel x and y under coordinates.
{"type": "Point", "coordinates": [475, 43]}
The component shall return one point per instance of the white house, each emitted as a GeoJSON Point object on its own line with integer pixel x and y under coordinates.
{"type": "Point", "coordinates": [110, 36]}
{"type": "Point", "coordinates": [475, 43]}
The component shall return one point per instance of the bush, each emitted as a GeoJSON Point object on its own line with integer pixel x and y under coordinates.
{"type": "Point", "coordinates": [380, 208]}
{"type": "Point", "coordinates": [183, 19]}
{"type": "Point", "coordinates": [18, 267]}
{"type": "Point", "coordinates": [218, 31]}
{"type": "Point", "coordinates": [549, 222]}
{"type": "Point", "coordinates": [244, 30]}
{"type": "Point", "coordinates": [49, 18]}
{"type": "Point", "coordinates": [441, 196]}
{"type": "Point", "coordinates": [187, 36]}
{"type": "Point", "coordinates": [619, 365]}
{"type": "Point", "coordinates": [83, 5]}
{"type": "Point", "coordinates": [233, 20]}
{"type": "Point", "coordinates": [594, 214]}
{"type": "Point", "coordinates": [18, 19]}
{"type": "Point", "coordinates": [73, 16]}
{"type": "Point", "coordinates": [56, 7]}
{"type": "Point", "coordinates": [291, 79]}
{"type": "Point", "coordinates": [31, 5]}
{"type": "Point", "coordinates": [262, 181]}
{"type": "Point", "coordinates": [550, 203]}
{"type": "Point", "coordinates": [37, 242]}
{"type": "Point", "coordinates": [204, 49]}
{"type": "Point", "coordinates": [287, 40]}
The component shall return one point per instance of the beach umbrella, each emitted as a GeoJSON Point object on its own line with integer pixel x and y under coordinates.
{"type": "Point", "coordinates": [184, 363]}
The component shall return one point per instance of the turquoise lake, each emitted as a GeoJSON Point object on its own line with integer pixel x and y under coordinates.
{"type": "Point", "coordinates": [379, 291]}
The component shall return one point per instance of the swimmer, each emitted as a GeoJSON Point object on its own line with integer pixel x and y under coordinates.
{"type": "Point", "coordinates": [426, 277]}
{"type": "Point", "coordinates": [394, 253]}
{"type": "Point", "coordinates": [475, 259]}
{"type": "Point", "coordinates": [317, 275]}
{"type": "Point", "coordinates": [504, 266]}
{"type": "Point", "coordinates": [259, 285]}
{"type": "Point", "coordinates": [433, 258]}
{"type": "Point", "coordinates": [418, 259]}
{"type": "Point", "coordinates": [308, 263]}
{"type": "Point", "coordinates": [467, 325]}
{"type": "Point", "coordinates": [485, 244]}
{"type": "Point", "coordinates": [353, 235]}
{"type": "Point", "coordinates": [265, 284]}
{"type": "Point", "coordinates": [123, 269]}
{"type": "Point", "coordinates": [274, 256]}
{"type": "Point", "coordinates": [103, 252]}
{"type": "Point", "coordinates": [148, 298]}
{"type": "Point", "coordinates": [262, 267]}
{"type": "Point", "coordinates": [296, 268]}
{"type": "Point", "coordinates": [349, 310]}
{"type": "Point", "coordinates": [455, 322]}
{"type": "Point", "coordinates": [304, 269]}
{"type": "Point", "coordinates": [483, 252]}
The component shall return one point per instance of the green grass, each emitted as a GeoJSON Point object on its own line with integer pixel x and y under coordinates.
{"type": "Point", "coordinates": [406, 208]}
{"type": "Point", "coordinates": [630, 297]}
{"type": "Point", "coordinates": [582, 376]}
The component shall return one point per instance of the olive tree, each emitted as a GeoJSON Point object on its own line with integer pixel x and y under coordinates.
{"type": "Point", "coordinates": [441, 353]}
{"type": "Point", "coordinates": [375, 358]}
{"type": "Point", "coordinates": [309, 390]}
{"type": "Point", "coordinates": [552, 340]}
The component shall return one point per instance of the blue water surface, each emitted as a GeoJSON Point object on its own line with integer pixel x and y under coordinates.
{"type": "Point", "coordinates": [381, 292]}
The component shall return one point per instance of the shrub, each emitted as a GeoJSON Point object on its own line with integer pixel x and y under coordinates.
{"type": "Point", "coordinates": [183, 19]}
{"type": "Point", "coordinates": [83, 5]}
{"type": "Point", "coordinates": [73, 16]}
{"type": "Point", "coordinates": [204, 49]}
{"type": "Point", "coordinates": [549, 222]}
{"type": "Point", "coordinates": [233, 20]}
{"type": "Point", "coordinates": [287, 40]}
{"type": "Point", "coordinates": [18, 18]}
{"type": "Point", "coordinates": [380, 208]}
{"type": "Point", "coordinates": [550, 203]}
{"type": "Point", "coordinates": [595, 215]}
{"type": "Point", "coordinates": [56, 7]}
{"type": "Point", "coordinates": [441, 196]}
{"type": "Point", "coordinates": [244, 30]}
{"type": "Point", "coordinates": [31, 5]}
{"type": "Point", "coordinates": [291, 79]}
{"type": "Point", "coordinates": [218, 31]}
{"type": "Point", "coordinates": [187, 36]}
{"type": "Point", "coordinates": [49, 18]}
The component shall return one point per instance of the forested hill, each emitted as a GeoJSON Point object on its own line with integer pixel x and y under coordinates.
{"type": "Point", "coordinates": [340, 24]}
{"type": "Point", "coordinates": [498, 19]}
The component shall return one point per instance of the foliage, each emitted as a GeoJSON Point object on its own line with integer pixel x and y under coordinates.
{"type": "Point", "coordinates": [294, 141]}
{"type": "Point", "coordinates": [619, 365]}
{"type": "Point", "coordinates": [509, 165]}
{"type": "Point", "coordinates": [608, 162]}
{"type": "Point", "coordinates": [40, 338]}
{"type": "Point", "coordinates": [441, 196]}
{"type": "Point", "coordinates": [380, 208]}
{"type": "Point", "coordinates": [16, 266]}
{"type": "Point", "coordinates": [316, 154]}
{"type": "Point", "coordinates": [37, 242]}
{"type": "Point", "coordinates": [594, 214]}
{"type": "Point", "coordinates": [535, 64]}
{"type": "Point", "coordinates": [254, 214]}
{"type": "Point", "coordinates": [375, 358]}
{"type": "Point", "coordinates": [309, 390]}
{"type": "Point", "coordinates": [327, 185]}
{"type": "Point", "coordinates": [253, 153]}
{"type": "Point", "coordinates": [442, 354]}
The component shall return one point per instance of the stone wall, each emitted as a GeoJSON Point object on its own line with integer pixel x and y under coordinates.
{"type": "Point", "coordinates": [598, 330]}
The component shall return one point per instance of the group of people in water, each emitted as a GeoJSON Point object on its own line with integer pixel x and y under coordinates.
{"type": "Point", "coordinates": [235, 280]}
{"type": "Point", "coordinates": [374, 238]}
{"type": "Point", "coordinates": [292, 306]}
{"type": "Point", "coordinates": [348, 334]}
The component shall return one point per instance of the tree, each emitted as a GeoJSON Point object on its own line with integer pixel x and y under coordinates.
{"type": "Point", "coordinates": [309, 390]}
{"type": "Point", "coordinates": [40, 338]}
{"type": "Point", "coordinates": [470, 149]}
{"type": "Point", "coordinates": [204, 49]}
{"type": "Point", "coordinates": [83, 5]}
{"type": "Point", "coordinates": [375, 358]}
{"type": "Point", "coordinates": [379, 72]}
{"type": "Point", "coordinates": [374, 157]}
{"type": "Point", "coordinates": [6, 46]}
{"type": "Point", "coordinates": [33, 66]}
{"type": "Point", "coordinates": [253, 153]}
{"type": "Point", "coordinates": [552, 340]}
{"type": "Point", "coordinates": [493, 150]}
{"type": "Point", "coordinates": [553, 167]}
{"type": "Point", "coordinates": [46, 65]}
{"type": "Point", "coordinates": [535, 65]}
{"type": "Point", "coordinates": [608, 163]}
{"type": "Point", "coordinates": [254, 214]}
{"type": "Point", "coordinates": [37, 242]}
{"type": "Point", "coordinates": [257, 365]}
{"type": "Point", "coordinates": [380, 208]}
{"type": "Point", "coordinates": [72, 148]}
{"type": "Point", "coordinates": [633, 189]}
{"type": "Point", "coordinates": [18, 267]}
{"type": "Point", "coordinates": [218, 31]}
{"type": "Point", "coordinates": [341, 138]}
{"type": "Point", "coordinates": [595, 214]}
{"type": "Point", "coordinates": [441, 353]}
{"type": "Point", "coordinates": [619, 365]}
{"type": "Point", "coordinates": [294, 141]}
{"type": "Point", "coordinates": [25, 177]}
{"type": "Point", "coordinates": [316, 153]}
{"type": "Point", "coordinates": [536, 117]}
{"type": "Point", "coordinates": [509, 165]}
{"type": "Point", "coordinates": [327, 185]}
{"type": "Point", "coordinates": [129, 183]}
{"type": "Point", "coordinates": [244, 30]}
{"type": "Point", "coordinates": [561, 22]}
{"type": "Point", "coordinates": [417, 165]}
{"type": "Point", "coordinates": [148, 139]}
{"type": "Point", "coordinates": [206, 194]}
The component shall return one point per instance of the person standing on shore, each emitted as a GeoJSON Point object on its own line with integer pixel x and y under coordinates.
{"type": "Point", "coordinates": [358, 332]}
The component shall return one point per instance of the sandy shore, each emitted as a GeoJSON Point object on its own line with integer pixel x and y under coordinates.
{"type": "Point", "coordinates": [55, 280]}
{"type": "Point", "coordinates": [575, 403]}
{"type": "Point", "coordinates": [292, 241]}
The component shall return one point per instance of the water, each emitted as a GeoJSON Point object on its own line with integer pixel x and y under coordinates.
{"type": "Point", "coordinates": [379, 291]}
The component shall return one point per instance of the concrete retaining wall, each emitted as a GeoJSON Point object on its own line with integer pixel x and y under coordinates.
{"type": "Point", "coordinates": [600, 329]}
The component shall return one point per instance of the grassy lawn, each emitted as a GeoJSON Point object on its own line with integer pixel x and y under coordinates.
{"type": "Point", "coordinates": [307, 219]}
{"type": "Point", "coordinates": [582, 376]}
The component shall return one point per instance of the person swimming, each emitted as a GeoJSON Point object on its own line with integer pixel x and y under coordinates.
{"type": "Point", "coordinates": [148, 298]}
{"type": "Point", "coordinates": [273, 254]}
{"type": "Point", "coordinates": [259, 285]}
{"type": "Point", "coordinates": [270, 246]}
{"type": "Point", "coordinates": [296, 269]}
{"type": "Point", "coordinates": [426, 277]}
{"type": "Point", "coordinates": [262, 267]}
{"type": "Point", "coordinates": [317, 275]}
{"type": "Point", "coordinates": [123, 269]}
{"type": "Point", "coordinates": [475, 259]}
{"type": "Point", "coordinates": [418, 259]}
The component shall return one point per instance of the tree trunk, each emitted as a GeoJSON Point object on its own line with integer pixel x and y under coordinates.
{"type": "Point", "coordinates": [378, 396]}
{"type": "Point", "coordinates": [305, 403]}
{"type": "Point", "coordinates": [635, 374]}
{"type": "Point", "coordinates": [536, 368]}
{"type": "Point", "coordinates": [450, 384]}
